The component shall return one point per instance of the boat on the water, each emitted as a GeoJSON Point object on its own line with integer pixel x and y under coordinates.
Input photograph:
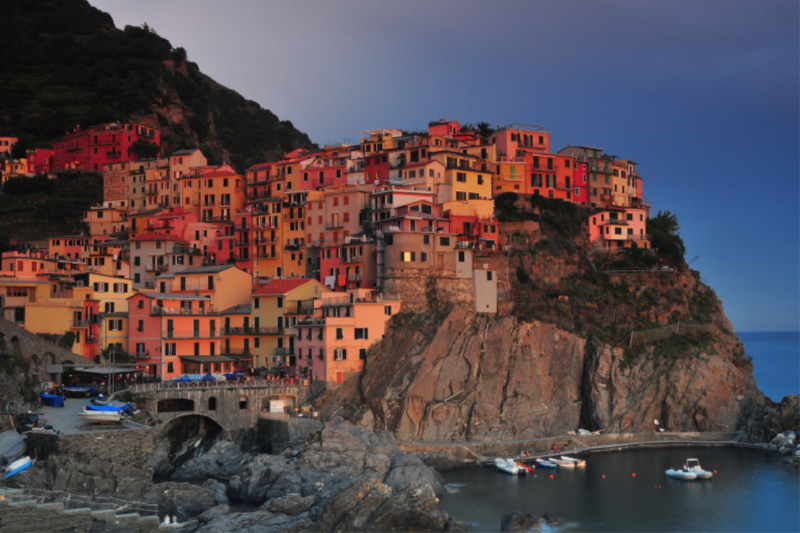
{"type": "Point", "coordinates": [509, 466]}
{"type": "Point", "coordinates": [18, 463]}
{"type": "Point", "coordinates": [544, 463]}
{"type": "Point", "coordinates": [101, 417]}
{"type": "Point", "coordinates": [681, 474]}
{"type": "Point", "coordinates": [694, 466]}
{"type": "Point", "coordinates": [529, 468]}
{"type": "Point", "coordinates": [563, 464]}
{"type": "Point", "coordinates": [578, 462]}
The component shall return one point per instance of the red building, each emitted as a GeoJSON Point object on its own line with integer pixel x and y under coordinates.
{"type": "Point", "coordinates": [96, 146]}
{"type": "Point", "coordinates": [39, 161]}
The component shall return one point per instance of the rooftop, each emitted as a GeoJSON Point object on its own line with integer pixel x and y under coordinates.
{"type": "Point", "coordinates": [282, 286]}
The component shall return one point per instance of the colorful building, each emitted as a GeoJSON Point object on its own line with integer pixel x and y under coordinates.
{"type": "Point", "coordinates": [93, 148]}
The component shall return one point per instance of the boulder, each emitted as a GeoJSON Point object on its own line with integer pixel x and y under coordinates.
{"type": "Point", "coordinates": [407, 469]}
{"type": "Point", "coordinates": [291, 504]}
{"type": "Point", "coordinates": [551, 520]}
{"type": "Point", "coordinates": [182, 499]}
{"type": "Point", "coordinates": [441, 462]}
{"type": "Point", "coordinates": [223, 461]}
{"type": "Point", "coordinates": [256, 477]}
{"type": "Point", "coordinates": [219, 489]}
{"type": "Point", "coordinates": [518, 521]}
{"type": "Point", "coordinates": [214, 513]}
{"type": "Point", "coordinates": [457, 526]}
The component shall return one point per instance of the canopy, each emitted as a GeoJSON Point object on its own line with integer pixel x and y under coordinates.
{"type": "Point", "coordinates": [112, 408]}
{"type": "Point", "coordinates": [209, 377]}
{"type": "Point", "coordinates": [52, 401]}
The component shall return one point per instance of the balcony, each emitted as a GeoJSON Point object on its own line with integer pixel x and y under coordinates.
{"type": "Point", "coordinates": [141, 355]}
{"type": "Point", "coordinates": [353, 259]}
{"type": "Point", "coordinates": [266, 255]}
{"type": "Point", "coordinates": [293, 246]}
{"type": "Point", "coordinates": [90, 339]}
{"type": "Point", "coordinates": [283, 351]}
{"type": "Point", "coordinates": [270, 331]}
{"type": "Point", "coordinates": [258, 240]}
{"type": "Point", "coordinates": [114, 154]}
{"type": "Point", "coordinates": [184, 311]}
{"type": "Point", "coordinates": [599, 170]}
{"type": "Point", "coordinates": [244, 330]}
{"type": "Point", "coordinates": [193, 334]}
{"type": "Point", "coordinates": [209, 203]}
{"type": "Point", "coordinates": [80, 323]}
{"type": "Point", "coordinates": [179, 249]}
{"type": "Point", "coordinates": [156, 268]}
{"type": "Point", "coordinates": [300, 309]}
{"type": "Point", "coordinates": [554, 168]}
{"type": "Point", "coordinates": [354, 277]}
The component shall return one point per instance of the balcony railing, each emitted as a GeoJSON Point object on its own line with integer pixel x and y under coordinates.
{"type": "Point", "coordinates": [178, 249]}
{"type": "Point", "coordinates": [195, 311]}
{"type": "Point", "coordinates": [299, 309]}
{"type": "Point", "coordinates": [141, 355]}
{"type": "Point", "coordinates": [81, 323]}
{"type": "Point", "coordinates": [193, 334]}
{"type": "Point", "coordinates": [353, 259]}
{"type": "Point", "coordinates": [283, 351]}
{"type": "Point", "coordinates": [244, 330]}
{"type": "Point", "coordinates": [554, 168]}
{"type": "Point", "coordinates": [334, 225]}
{"type": "Point", "coordinates": [156, 268]}
{"type": "Point", "coordinates": [293, 246]}
{"type": "Point", "coordinates": [599, 170]}
{"type": "Point", "coordinates": [90, 339]}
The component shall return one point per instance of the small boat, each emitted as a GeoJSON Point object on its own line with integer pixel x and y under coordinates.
{"type": "Point", "coordinates": [523, 465]}
{"type": "Point", "coordinates": [681, 474]}
{"type": "Point", "coordinates": [563, 464]}
{"type": "Point", "coordinates": [544, 463]}
{"type": "Point", "coordinates": [101, 417]}
{"type": "Point", "coordinates": [509, 466]}
{"type": "Point", "coordinates": [21, 468]}
{"type": "Point", "coordinates": [18, 463]}
{"type": "Point", "coordinates": [78, 392]}
{"type": "Point", "coordinates": [578, 462]}
{"type": "Point", "coordinates": [694, 466]}
{"type": "Point", "coordinates": [14, 453]}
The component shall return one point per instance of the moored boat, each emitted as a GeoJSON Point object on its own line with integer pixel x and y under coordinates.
{"type": "Point", "coordinates": [694, 466]}
{"type": "Point", "coordinates": [578, 462]}
{"type": "Point", "coordinates": [22, 467]}
{"type": "Point", "coordinates": [563, 464]}
{"type": "Point", "coordinates": [101, 417]}
{"type": "Point", "coordinates": [529, 468]}
{"type": "Point", "coordinates": [17, 464]}
{"type": "Point", "coordinates": [681, 474]}
{"type": "Point", "coordinates": [544, 463]}
{"type": "Point", "coordinates": [509, 466]}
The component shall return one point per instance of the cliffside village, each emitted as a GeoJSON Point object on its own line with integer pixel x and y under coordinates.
{"type": "Point", "coordinates": [298, 264]}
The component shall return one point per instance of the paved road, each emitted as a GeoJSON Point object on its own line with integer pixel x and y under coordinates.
{"type": "Point", "coordinates": [65, 419]}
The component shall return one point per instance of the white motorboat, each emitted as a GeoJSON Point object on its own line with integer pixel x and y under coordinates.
{"type": "Point", "coordinates": [578, 462]}
{"type": "Point", "coordinates": [562, 463]}
{"type": "Point", "coordinates": [694, 466]}
{"type": "Point", "coordinates": [101, 417]}
{"type": "Point", "coordinates": [18, 464]}
{"type": "Point", "coordinates": [681, 474]}
{"type": "Point", "coordinates": [509, 466]}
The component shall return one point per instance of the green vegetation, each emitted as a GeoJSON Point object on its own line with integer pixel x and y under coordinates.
{"type": "Point", "coordinates": [506, 210]}
{"type": "Point", "coordinates": [36, 208]}
{"type": "Point", "coordinates": [559, 217]}
{"type": "Point", "coordinates": [65, 64]}
{"type": "Point", "coordinates": [673, 347]}
{"type": "Point", "coordinates": [664, 232]}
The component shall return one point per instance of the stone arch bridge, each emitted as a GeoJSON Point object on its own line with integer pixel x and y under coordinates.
{"type": "Point", "coordinates": [232, 405]}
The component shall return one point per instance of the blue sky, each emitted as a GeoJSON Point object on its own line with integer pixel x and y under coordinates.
{"type": "Point", "coordinates": [704, 95]}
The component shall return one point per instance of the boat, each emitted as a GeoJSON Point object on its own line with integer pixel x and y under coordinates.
{"type": "Point", "coordinates": [578, 462]}
{"type": "Point", "coordinates": [563, 464]}
{"type": "Point", "coordinates": [509, 466]}
{"type": "Point", "coordinates": [79, 392]}
{"type": "Point", "coordinates": [21, 468]}
{"type": "Point", "coordinates": [101, 417]}
{"type": "Point", "coordinates": [681, 474]}
{"type": "Point", "coordinates": [544, 463]}
{"type": "Point", "coordinates": [18, 463]}
{"type": "Point", "coordinates": [523, 465]}
{"type": "Point", "coordinates": [14, 453]}
{"type": "Point", "coordinates": [694, 466]}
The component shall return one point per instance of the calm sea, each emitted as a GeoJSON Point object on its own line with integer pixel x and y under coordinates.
{"type": "Point", "coordinates": [776, 361]}
{"type": "Point", "coordinates": [752, 491]}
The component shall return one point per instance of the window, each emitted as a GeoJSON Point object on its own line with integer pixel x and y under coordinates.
{"type": "Point", "coordinates": [617, 231]}
{"type": "Point", "coordinates": [629, 216]}
{"type": "Point", "coordinates": [280, 301]}
{"type": "Point", "coordinates": [423, 257]}
{"type": "Point", "coordinates": [407, 257]}
{"type": "Point", "coordinates": [444, 241]}
{"type": "Point", "coordinates": [362, 333]}
{"type": "Point", "coordinates": [140, 326]}
{"type": "Point", "coordinates": [461, 256]}
{"type": "Point", "coordinates": [387, 310]}
{"type": "Point", "coordinates": [488, 275]}
{"type": "Point", "coordinates": [339, 334]}
{"type": "Point", "coordinates": [340, 355]}
{"type": "Point", "coordinates": [256, 303]}
{"type": "Point", "coordinates": [426, 239]}
{"type": "Point", "coordinates": [389, 240]}
{"type": "Point", "coordinates": [362, 353]}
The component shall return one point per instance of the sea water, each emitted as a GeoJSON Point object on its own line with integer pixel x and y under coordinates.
{"type": "Point", "coordinates": [751, 491]}
{"type": "Point", "coordinates": [776, 361]}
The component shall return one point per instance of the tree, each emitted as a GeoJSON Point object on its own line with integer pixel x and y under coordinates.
{"type": "Point", "coordinates": [665, 237]}
{"type": "Point", "coordinates": [145, 149]}
{"type": "Point", "coordinates": [484, 129]}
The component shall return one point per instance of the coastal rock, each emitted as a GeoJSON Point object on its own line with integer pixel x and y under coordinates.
{"type": "Point", "coordinates": [214, 513]}
{"type": "Point", "coordinates": [518, 521]}
{"type": "Point", "coordinates": [256, 477]}
{"type": "Point", "coordinates": [457, 526]}
{"type": "Point", "coordinates": [181, 499]}
{"type": "Point", "coordinates": [223, 461]}
{"type": "Point", "coordinates": [407, 469]}
{"type": "Point", "coordinates": [219, 489]}
{"type": "Point", "coordinates": [551, 520]}
{"type": "Point", "coordinates": [441, 462]}
{"type": "Point", "coordinates": [291, 504]}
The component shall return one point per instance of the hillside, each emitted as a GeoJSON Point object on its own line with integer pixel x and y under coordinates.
{"type": "Point", "coordinates": [65, 63]}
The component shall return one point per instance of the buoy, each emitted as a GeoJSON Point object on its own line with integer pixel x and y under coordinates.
{"type": "Point", "coordinates": [715, 471]}
{"type": "Point", "coordinates": [551, 476]}
{"type": "Point", "coordinates": [604, 476]}
{"type": "Point", "coordinates": [634, 474]}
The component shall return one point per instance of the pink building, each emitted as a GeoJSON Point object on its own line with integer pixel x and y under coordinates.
{"type": "Point", "coordinates": [620, 227]}
{"type": "Point", "coordinates": [332, 344]}
{"type": "Point", "coordinates": [39, 161]}
{"type": "Point", "coordinates": [517, 139]}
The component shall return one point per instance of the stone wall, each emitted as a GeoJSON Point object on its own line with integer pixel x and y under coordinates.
{"type": "Point", "coordinates": [132, 448]}
{"type": "Point", "coordinates": [413, 289]}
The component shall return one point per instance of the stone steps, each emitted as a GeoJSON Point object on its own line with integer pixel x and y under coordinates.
{"type": "Point", "coordinates": [19, 514]}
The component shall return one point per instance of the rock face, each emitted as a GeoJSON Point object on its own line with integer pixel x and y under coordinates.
{"type": "Point", "coordinates": [181, 499]}
{"type": "Point", "coordinates": [222, 461]}
{"type": "Point", "coordinates": [482, 377]}
{"type": "Point", "coordinates": [476, 377]}
{"type": "Point", "coordinates": [762, 422]}
{"type": "Point", "coordinates": [518, 521]}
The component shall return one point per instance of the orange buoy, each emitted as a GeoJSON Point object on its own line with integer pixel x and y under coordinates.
{"type": "Point", "coordinates": [634, 474]}
{"type": "Point", "coordinates": [551, 476]}
{"type": "Point", "coordinates": [715, 471]}
{"type": "Point", "coordinates": [604, 476]}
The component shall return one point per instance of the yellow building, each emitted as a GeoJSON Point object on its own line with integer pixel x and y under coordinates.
{"type": "Point", "coordinates": [225, 285]}
{"type": "Point", "coordinates": [237, 342]}
{"type": "Point", "coordinates": [509, 176]}
{"type": "Point", "coordinates": [213, 195]}
{"type": "Point", "coordinates": [276, 307]}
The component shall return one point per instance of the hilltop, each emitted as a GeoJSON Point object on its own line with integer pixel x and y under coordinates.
{"type": "Point", "coordinates": [65, 63]}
